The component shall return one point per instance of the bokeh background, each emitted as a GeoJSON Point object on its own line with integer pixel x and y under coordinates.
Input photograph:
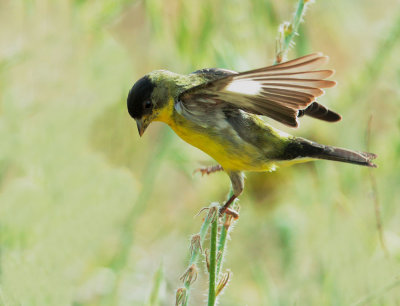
{"type": "Point", "coordinates": [91, 214]}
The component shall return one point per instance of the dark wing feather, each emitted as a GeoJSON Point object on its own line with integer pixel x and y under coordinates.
{"type": "Point", "coordinates": [319, 111]}
{"type": "Point", "coordinates": [281, 92]}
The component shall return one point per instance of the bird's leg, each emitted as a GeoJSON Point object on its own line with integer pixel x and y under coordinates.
{"type": "Point", "coordinates": [208, 170]}
{"type": "Point", "coordinates": [225, 209]}
{"type": "Point", "coordinates": [237, 180]}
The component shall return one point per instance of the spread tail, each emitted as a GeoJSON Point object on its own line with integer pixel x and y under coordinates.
{"type": "Point", "coordinates": [303, 148]}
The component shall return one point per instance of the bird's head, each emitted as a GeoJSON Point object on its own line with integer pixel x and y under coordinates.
{"type": "Point", "coordinates": [148, 97]}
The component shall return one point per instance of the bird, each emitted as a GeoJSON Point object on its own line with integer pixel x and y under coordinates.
{"type": "Point", "coordinates": [222, 112]}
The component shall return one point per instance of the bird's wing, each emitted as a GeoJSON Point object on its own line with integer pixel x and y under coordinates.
{"type": "Point", "coordinates": [212, 74]}
{"type": "Point", "coordinates": [278, 91]}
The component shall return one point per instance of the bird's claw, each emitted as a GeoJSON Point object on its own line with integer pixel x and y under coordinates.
{"type": "Point", "coordinates": [230, 212]}
{"type": "Point", "coordinates": [208, 170]}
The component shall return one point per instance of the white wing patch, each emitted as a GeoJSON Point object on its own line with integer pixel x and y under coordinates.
{"type": "Point", "coordinates": [244, 87]}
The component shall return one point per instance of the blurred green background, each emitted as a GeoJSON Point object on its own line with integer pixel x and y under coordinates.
{"type": "Point", "coordinates": [90, 212]}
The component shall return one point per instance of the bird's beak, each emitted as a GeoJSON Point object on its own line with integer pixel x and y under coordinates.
{"type": "Point", "coordinates": [141, 126]}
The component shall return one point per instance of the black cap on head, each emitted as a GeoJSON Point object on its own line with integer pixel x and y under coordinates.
{"type": "Point", "coordinates": [139, 98]}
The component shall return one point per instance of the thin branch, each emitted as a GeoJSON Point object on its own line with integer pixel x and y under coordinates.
{"type": "Point", "coordinates": [213, 264]}
{"type": "Point", "coordinates": [375, 196]}
{"type": "Point", "coordinates": [287, 31]}
{"type": "Point", "coordinates": [227, 222]}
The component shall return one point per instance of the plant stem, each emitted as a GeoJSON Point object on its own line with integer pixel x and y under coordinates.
{"type": "Point", "coordinates": [295, 24]}
{"type": "Point", "coordinates": [222, 238]}
{"type": "Point", "coordinates": [212, 215]}
{"type": "Point", "coordinates": [203, 232]}
{"type": "Point", "coordinates": [213, 263]}
{"type": "Point", "coordinates": [155, 292]}
{"type": "Point", "coordinates": [287, 31]}
{"type": "Point", "coordinates": [221, 245]}
{"type": "Point", "coordinates": [375, 196]}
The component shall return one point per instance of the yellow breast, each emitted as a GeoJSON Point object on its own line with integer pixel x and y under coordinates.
{"type": "Point", "coordinates": [217, 146]}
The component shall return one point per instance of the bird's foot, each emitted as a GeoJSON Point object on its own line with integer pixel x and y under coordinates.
{"type": "Point", "coordinates": [226, 210]}
{"type": "Point", "coordinates": [208, 170]}
{"type": "Point", "coordinates": [230, 212]}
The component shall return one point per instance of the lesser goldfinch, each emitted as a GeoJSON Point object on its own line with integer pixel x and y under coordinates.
{"type": "Point", "coordinates": [219, 111]}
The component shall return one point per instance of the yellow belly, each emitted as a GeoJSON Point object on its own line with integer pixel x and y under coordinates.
{"type": "Point", "coordinates": [220, 150]}
{"type": "Point", "coordinates": [232, 157]}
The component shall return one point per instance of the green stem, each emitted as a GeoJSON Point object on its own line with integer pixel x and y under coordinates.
{"type": "Point", "coordinates": [287, 31]}
{"type": "Point", "coordinates": [295, 25]}
{"type": "Point", "coordinates": [222, 239]}
{"type": "Point", "coordinates": [221, 245]}
{"type": "Point", "coordinates": [213, 263]}
{"type": "Point", "coordinates": [155, 292]}
{"type": "Point", "coordinates": [193, 259]}
{"type": "Point", "coordinates": [203, 233]}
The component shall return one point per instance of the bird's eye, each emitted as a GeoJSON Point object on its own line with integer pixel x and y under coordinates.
{"type": "Point", "coordinates": [147, 104]}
